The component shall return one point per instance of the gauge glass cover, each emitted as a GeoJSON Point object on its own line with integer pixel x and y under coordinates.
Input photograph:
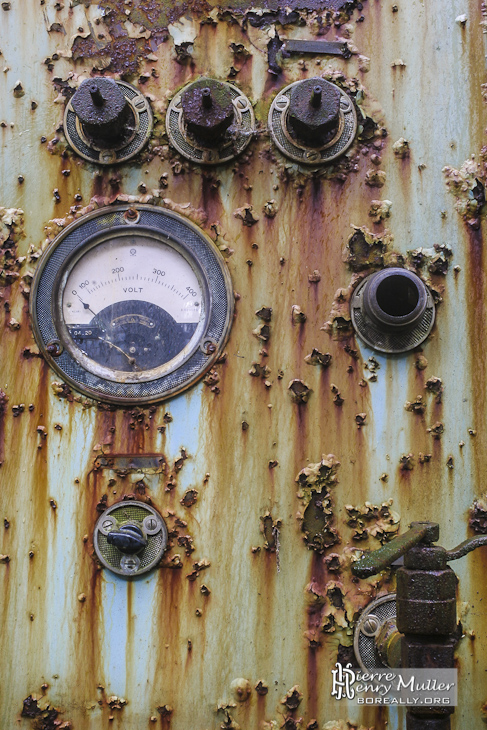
{"type": "Point", "coordinates": [132, 305]}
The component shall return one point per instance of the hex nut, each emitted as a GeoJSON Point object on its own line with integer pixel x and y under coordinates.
{"type": "Point", "coordinates": [314, 111]}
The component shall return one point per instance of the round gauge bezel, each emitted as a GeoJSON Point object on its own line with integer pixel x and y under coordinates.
{"type": "Point", "coordinates": [94, 379]}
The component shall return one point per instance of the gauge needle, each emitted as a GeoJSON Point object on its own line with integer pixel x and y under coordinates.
{"type": "Point", "coordinates": [86, 306]}
{"type": "Point", "coordinates": [130, 359]}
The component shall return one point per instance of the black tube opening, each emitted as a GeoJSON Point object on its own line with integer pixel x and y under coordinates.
{"type": "Point", "coordinates": [397, 295]}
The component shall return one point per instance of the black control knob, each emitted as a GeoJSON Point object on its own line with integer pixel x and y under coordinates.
{"type": "Point", "coordinates": [103, 111]}
{"type": "Point", "coordinates": [208, 110]}
{"type": "Point", "coordinates": [314, 111]}
{"type": "Point", "coordinates": [129, 539]}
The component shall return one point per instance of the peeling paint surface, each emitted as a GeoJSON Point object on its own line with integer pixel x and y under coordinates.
{"type": "Point", "coordinates": [301, 447]}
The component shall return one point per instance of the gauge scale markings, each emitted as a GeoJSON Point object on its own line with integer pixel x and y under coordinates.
{"type": "Point", "coordinates": [132, 322]}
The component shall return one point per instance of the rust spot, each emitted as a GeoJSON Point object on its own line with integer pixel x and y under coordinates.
{"type": "Point", "coordinates": [346, 655]}
{"type": "Point", "coordinates": [264, 313]}
{"type": "Point", "coordinates": [298, 316]}
{"type": "Point", "coordinates": [407, 462]}
{"type": "Point", "coordinates": [246, 215]}
{"type": "Point", "coordinates": [319, 358]}
{"type": "Point", "coordinates": [299, 391]}
{"type": "Point", "coordinates": [270, 529]}
{"type": "Point", "coordinates": [360, 419]}
{"type": "Point", "coordinates": [435, 385]}
{"type": "Point", "coordinates": [190, 497]}
{"type": "Point", "coordinates": [478, 516]}
{"type": "Point", "coordinates": [436, 430]}
{"type": "Point", "coordinates": [262, 332]}
{"type": "Point", "coordinates": [314, 483]}
{"type": "Point", "coordinates": [45, 717]}
{"type": "Point", "coordinates": [293, 698]}
{"type": "Point", "coordinates": [378, 521]}
{"type": "Point", "coordinates": [365, 249]}
{"type": "Point", "coordinates": [261, 687]}
{"type": "Point", "coordinates": [416, 406]}
{"type": "Point", "coordinates": [338, 400]}
{"type": "Point", "coordinates": [258, 370]}
{"type": "Point", "coordinates": [197, 568]}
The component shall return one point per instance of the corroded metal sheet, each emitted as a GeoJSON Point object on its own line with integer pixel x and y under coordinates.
{"type": "Point", "coordinates": [301, 445]}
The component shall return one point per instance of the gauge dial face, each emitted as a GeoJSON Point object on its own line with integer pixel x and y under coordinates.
{"type": "Point", "coordinates": [131, 305]}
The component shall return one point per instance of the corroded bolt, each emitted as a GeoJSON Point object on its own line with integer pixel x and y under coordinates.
{"type": "Point", "coordinates": [206, 98]}
{"type": "Point", "coordinates": [314, 111]}
{"type": "Point", "coordinates": [54, 348]}
{"type": "Point", "coordinates": [96, 95]}
{"type": "Point", "coordinates": [316, 97]}
{"type": "Point", "coordinates": [208, 110]}
{"type": "Point", "coordinates": [209, 347]}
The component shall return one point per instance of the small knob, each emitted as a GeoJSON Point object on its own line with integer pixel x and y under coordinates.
{"type": "Point", "coordinates": [208, 110]}
{"type": "Point", "coordinates": [129, 539]}
{"type": "Point", "coordinates": [102, 109]}
{"type": "Point", "coordinates": [314, 111]}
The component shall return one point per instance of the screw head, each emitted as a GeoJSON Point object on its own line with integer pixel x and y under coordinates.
{"type": "Point", "coordinates": [371, 625]}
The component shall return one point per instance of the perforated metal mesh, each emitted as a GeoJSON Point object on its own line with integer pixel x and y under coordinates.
{"type": "Point", "coordinates": [366, 644]}
{"type": "Point", "coordinates": [218, 307]}
{"type": "Point", "coordinates": [391, 341]}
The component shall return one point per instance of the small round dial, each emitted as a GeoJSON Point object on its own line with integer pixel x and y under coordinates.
{"type": "Point", "coordinates": [131, 305]}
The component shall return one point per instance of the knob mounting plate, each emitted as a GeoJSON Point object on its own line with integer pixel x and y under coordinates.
{"type": "Point", "coordinates": [85, 146]}
{"type": "Point", "coordinates": [148, 520]}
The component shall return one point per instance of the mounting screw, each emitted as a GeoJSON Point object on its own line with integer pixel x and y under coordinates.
{"type": "Point", "coordinates": [208, 347]}
{"type": "Point", "coordinates": [54, 348]}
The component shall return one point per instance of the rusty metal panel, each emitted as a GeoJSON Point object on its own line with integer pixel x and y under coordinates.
{"type": "Point", "coordinates": [254, 601]}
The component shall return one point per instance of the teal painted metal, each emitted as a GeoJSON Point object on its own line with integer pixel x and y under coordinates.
{"type": "Point", "coordinates": [95, 646]}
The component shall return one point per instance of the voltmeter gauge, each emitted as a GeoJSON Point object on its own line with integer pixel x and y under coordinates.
{"type": "Point", "coordinates": [131, 304]}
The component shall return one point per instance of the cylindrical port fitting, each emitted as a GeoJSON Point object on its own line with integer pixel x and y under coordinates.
{"type": "Point", "coordinates": [392, 311]}
{"type": "Point", "coordinates": [96, 95]}
{"type": "Point", "coordinates": [316, 97]}
{"type": "Point", "coordinates": [395, 298]}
